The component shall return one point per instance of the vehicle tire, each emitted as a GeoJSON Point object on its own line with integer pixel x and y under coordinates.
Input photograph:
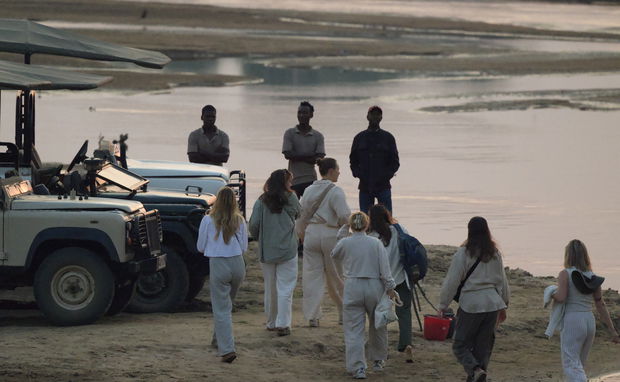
{"type": "Point", "coordinates": [198, 273]}
{"type": "Point", "coordinates": [122, 296]}
{"type": "Point", "coordinates": [162, 291]}
{"type": "Point", "coordinates": [196, 283]}
{"type": "Point", "coordinates": [73, 286]}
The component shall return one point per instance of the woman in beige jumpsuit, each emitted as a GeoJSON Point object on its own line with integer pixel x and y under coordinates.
{"type": "Point", "coordinates": [319, 238]}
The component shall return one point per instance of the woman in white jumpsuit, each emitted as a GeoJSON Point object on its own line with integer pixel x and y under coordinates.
{"type": "Point", "coordinates": [367, 278]}
{"type": "Point", "coordinates": [319, 232]}
{"type": "Point", "coordinates": [578, 324]}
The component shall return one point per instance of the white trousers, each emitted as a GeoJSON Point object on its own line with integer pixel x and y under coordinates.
{"type": "Point", "coordinates": [576, 339]}
{"type": "Point", "coordinates": [318, 269]}
{"type": "Point", "coordinates": [361, 297]}
{"type": "Point", "coordinates": [280, 280]}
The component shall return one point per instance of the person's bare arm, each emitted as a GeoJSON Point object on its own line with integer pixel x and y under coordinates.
{"type": "Point", "coordinates": [196, 157]}
{"type": "Point", "coordinates": [604, 315]}
{"type": "Point", "coordinates": [562, 292]}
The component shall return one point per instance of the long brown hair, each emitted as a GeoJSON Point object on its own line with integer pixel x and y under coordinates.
{"type": "Point", "coordinates": [380, 221]}
{"type": "Point", "coordinates": [225, 214]}
{"type": "Point", "coordinates": [276, 190]}
{"type": "Point", "coordinates": [576, 255]}
{"type": "Point", "coordinates": [479, 241]}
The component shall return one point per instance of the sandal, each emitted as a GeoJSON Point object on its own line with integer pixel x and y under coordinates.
{"type": "Point", "coordinates": [228, 358]}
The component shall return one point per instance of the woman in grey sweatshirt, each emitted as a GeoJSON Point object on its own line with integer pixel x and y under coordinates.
{"type": "Point", "coordinates": [366, 270]}
{"type": "Point", "coordinates": [483, 298]}
{"type": "Point", "coordinates": [273, 224]}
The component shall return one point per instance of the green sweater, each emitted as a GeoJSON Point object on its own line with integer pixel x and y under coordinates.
{"type": "Point", "coordinates": [275, 232]}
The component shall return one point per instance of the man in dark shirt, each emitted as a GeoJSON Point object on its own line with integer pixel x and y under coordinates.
{"type": "Point", "coordinates": [374, 161]}
{"type": "Point", "coordinates": [208, 144]}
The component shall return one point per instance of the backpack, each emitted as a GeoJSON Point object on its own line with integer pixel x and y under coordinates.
{"type": "Point", "coordinates": [412, 255]}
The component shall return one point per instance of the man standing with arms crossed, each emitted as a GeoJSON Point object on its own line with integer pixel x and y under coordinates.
{"type": "Point", "coordinates": [303, 146]}
{"type": "Point", "coordinates": [374, 161]}
{"type": "Point", "coordinates": [208, 145]}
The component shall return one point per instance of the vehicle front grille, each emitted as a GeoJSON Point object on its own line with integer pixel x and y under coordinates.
{"type": "Point", "coordinates": [147, 233]}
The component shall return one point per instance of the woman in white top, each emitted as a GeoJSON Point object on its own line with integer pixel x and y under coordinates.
{"type": "Point", "coordinates": [324, 210]}
{"type": "Point", "coordinates": [578, 326]}
{"type": "Point", "coordinates": [381, 227]}
{"type": "Point", "coordinates": [483, 298]}
{"type": "Point", "coordinates": [223, 237]}
{"type": "Point", "coordinates": [367, 276]}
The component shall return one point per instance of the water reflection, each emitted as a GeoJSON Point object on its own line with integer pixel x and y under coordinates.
{"type": "Point", "coordinates": [540, 176]}
{"type": "Point", "coordinates": [274, 75]}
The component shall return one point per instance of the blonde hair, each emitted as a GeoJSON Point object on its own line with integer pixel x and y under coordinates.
{"type": "Point", "coordinates": [358, 221]}
{"type": "Point", "coordinates": [576, 255]}
{"type": "Point", "coordinates": [225, 214]}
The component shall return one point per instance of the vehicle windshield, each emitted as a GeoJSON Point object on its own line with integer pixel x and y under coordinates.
{"type": "Point", "coordinates": [112, 178]}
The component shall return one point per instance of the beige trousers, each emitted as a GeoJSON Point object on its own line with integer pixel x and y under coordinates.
{"type": "Point", "coordinates": [318, 269]}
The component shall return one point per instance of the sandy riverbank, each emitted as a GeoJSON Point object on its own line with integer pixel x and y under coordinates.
{"type": "Point", "coordinates": [165, 347]}
{"type": "Point", "coordinates": [302, 39]}
{"type": "Point", "coordinates": [175, 346]}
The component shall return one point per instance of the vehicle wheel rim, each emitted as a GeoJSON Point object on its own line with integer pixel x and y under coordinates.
{"type": "Point", "coordinates": [151, 285]}
{"type": "Point", "coordinates": [73, 287]}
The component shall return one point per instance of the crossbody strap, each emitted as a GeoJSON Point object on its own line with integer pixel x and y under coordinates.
{"type": "Point", "coordinates": [469, 272]}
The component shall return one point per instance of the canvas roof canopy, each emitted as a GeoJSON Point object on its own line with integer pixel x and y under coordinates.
{"type": "Point", "coordinates": [34, 77]}
{"type": "Point", "coordinates": [28, 37]}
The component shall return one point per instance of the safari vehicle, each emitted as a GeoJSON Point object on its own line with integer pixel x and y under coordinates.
{"type": "Point", "coordinates": [180, 212]}
{"type": "Point", "coordinates": [190, 177]}
{"type": "Point", "coordinates": [81, 255]}
{"type": "Point", "coordinates": [180, 215]}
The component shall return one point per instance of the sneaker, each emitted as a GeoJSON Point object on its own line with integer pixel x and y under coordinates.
{"type": "Point", "coordinates": [229, 358]}
{"type": "Point", "coordinates": [378, 365]}
{"type": "Point", "coordinates": [284, 331]}
{"type": "Point", "coordinates": [360, 373]}
{"type": "Point", "coordinates": [314, 323]}
{"type": "Point", "coordinates": [409, 354]}
{"type": "Point", "coordinates": [480, 375]}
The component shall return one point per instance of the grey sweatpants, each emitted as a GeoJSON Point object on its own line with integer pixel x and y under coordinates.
{"type": "Point", "coordinates": [576, 339]}
{"type": "Point", "coordinates": [361, 297]}
{"type": "Point", "coordinates": [474, 337]}
{"type": "Point", "coordinates": [225, 277]}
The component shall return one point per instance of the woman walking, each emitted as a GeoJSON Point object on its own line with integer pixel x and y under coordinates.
{"type": "Point", "coordinates": [381, 227]}
{"type": "Point", "coordinates": [577, 287]}
{"type": "Point", "coordinates": [477, 272]}
{"type": "Point", "coordinates": [223, 238]}
{"type": "Point", "coordinates": [324, 210]}
{"type": "Point", "coordinates": [367, 278]}
{"type": "Point", "coordinates": [273, 224]}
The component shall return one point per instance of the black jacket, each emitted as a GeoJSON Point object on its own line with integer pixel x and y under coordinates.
{"type": "Point", "coordinates": [374, 159]}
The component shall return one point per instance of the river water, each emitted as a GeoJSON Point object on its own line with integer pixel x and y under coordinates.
{"type": "Point", "coordinates": [540, 176]}
{"type": "Point", "coordinates": [574, 17]}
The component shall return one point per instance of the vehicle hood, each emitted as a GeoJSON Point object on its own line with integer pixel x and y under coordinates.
{"type": "Point", "coordinates": [159, 168]}
{"type": "Point", "coordinates": [165, 197]}
{"type": "Point", "coordinates": [48, 202]}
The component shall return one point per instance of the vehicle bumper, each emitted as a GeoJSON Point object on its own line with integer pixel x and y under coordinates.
{"type": "Point", "coordinates": [150, 265]}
